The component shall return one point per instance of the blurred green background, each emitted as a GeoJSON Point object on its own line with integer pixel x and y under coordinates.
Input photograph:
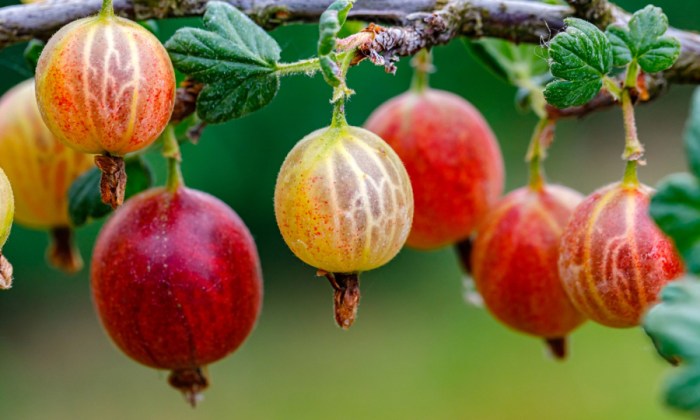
{"type": "Point", "coordinates": [417, 350]}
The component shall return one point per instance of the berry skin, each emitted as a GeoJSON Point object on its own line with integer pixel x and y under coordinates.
{"type": "Point", "coordinates": [613, 259]}
{"type": "Point", "coordinates": [343, 200]}
{"type": "Point", "coordinates": [176, 281]}
{"type": "Point", "coordinates": [452, 158]}
{"type": "Point", "coordinates": [344, 204]}
{"type": "Point", "coordinates": [514, 263]}
{"type": "Point", "coordinates": [7, 210]}
{"type": "Point", "coordinates": [41, 170]}
{"type": "Point", "coordinates": [105, 84]}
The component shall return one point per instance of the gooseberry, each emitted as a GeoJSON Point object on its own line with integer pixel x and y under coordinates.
{"type": "Point", "coordinates": [452, 158]}
{"type": "Point", "coordinates": [105, 86]}
{"type": "Point", "coordinates": [613, 259]}
{"type": "Point", "coordinates": [344, 205]}
{"type": "Point", "coordinates": [176, 281]}
{"type": "Point", "coordinates": [514, 263]}
{"type": "Point", "coordinates": [7, 209]}
{"type": "Point", "coordinates": [41, 170]}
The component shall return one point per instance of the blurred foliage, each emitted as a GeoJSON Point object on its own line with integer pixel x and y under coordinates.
{"type": "Point", "coordinates": [416, 351]}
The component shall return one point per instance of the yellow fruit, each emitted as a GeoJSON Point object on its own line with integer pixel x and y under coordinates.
{"type": "Point", "coordinates": [40, 168]}
{"type": "Point", "coordinates": [343, 200]}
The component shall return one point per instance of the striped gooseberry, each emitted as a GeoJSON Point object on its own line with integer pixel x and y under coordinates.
{"type": "Point", "coordinates": [41, 170]}
{"type": "Point", "coordinates": [344, 204]}
{"type": "Point", "coordinates": [176, 281]}
{"type": "Point", "coordinates": [613, 259]}
{"type": "Point", "coordinates": [452, 158]}
{"type": "Point", "coordinates": [7, 209]}
{"type": "Point", "coordinates": [514, 263]}
{"type": "Point", "coordinates": [106, 86]}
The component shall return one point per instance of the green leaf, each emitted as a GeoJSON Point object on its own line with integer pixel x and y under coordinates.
{"type": "Point", "coordinates": [676, 209]}
{"type": "Point", "coordinates": [683, 389]}
{"type": "Point", "coordinates": [84, 201]}
{"type": "Point", "coordinates": [643, 41]}
{"type": "Point", "coordinates": [692, 135]}
{"type": "Point", "coordinates": [579, 57]}
{"type": "Point", "coordinates": [235, 58]}
{"type": "Point", "coordinates": [32, 52]}
{"type": "Point", "coordinates": [330, 23]}
{"type": "Point", "coordinates": [674, 324]}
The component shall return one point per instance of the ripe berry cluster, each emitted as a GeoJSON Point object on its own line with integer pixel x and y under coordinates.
{"type": "Point", "coordinates": [175, 273]}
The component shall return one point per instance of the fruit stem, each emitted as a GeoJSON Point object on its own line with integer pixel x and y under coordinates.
{"type": "Point", "coordinates": [308, 67]}
{"type": "Point", "coordinates": [423, 65]}
{"type": "Point", "coordinates": [107, 9]}
{"type": "Point", "coordinates": [191, 382]}
{"type": "Point", "coordinates": [338, 120]}
{"type": "Point", "coordinates": [346, 297]}
{"type": "Point", "coordinates": [5, 273]}
{"type": "Point", "coordinates": [113, 181]}
{"type": "Point", "coordinates": [62, 252]}
{"type": "Point", "coordinates": [537, 151]}
{"type": "Point", "coordinates": [633, 148]}
{"type": "Point", "coordinates": [171, 151]}
{"type": "Point", "coordinates": [630, 178]}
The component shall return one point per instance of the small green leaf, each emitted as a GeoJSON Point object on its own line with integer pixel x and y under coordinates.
{"type": "Point", "coordinates": [330, 23]}
{"type": "Point", "coordinates": [676, 209]}
{"type": "Point", "coordinates": [643, 41]}
{"type": "Point", "coordinates": [234, 57]}
{"type": "Point", "coordinates": [32, 52]}
{"type": "Point", "coordinates": [674, 324]}
{"type": "Point", "coordinates": [84, 201]}
{"type": "Point", "coordinates": [683, 389]}
{"type": "Point", "coordinates": [692, 135]}
{"type": "Point", "coordinates": [580, 57]}
{"type": "Point", "coordinates": [151, 25]}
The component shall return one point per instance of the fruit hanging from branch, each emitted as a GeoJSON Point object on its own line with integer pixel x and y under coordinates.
{"type": "Point", "coordinates": [450, 154]}
{"type": "Point", "coordinates": [41, 170]}
{"type": "Point", "coordinates": [106, 86]}
{"type": "Point", "coordinates": [176, 280]}
{"type": "Point", "coordinates": [343, 199]}
{"type": "Point", "coordinates": [516, 250]}
{"type": "Point", "coordinates": [614, 260]}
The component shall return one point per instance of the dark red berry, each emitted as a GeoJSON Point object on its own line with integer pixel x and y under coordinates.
{"type": "Point", "coordinates": [177, 283]}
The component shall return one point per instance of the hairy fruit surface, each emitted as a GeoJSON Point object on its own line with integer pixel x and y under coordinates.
{"type": "Point", "coordinates": [343, 200]}
{"type": "Point", "coordinates": [176, 281]}
{"type": "Point", "coordinates": [613, 259]}
{"type": "Point", "coordinates": [452, 158]}
{"type": "Point", "coordinates": [514, 263]}
{"type": "Point", "coordinates": [41, 170]}
{"type": "Point", "coordinates": [105, 84]}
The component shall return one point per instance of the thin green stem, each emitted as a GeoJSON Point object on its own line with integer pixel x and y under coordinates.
{"type": "Point", "coordinates": [171, 151]}
{"type": "Point", "coordinates": [423, 66]}
{"type": "Point", "coordinates": [632, 74]}
{"type": "Point", "coordinates": [309, 67]}
{"type": "Point", "coordinates": [537, 152]}
{"type": "Point", "coordinates": [107, 9]}
{"type": "Point", "coordinates": [341, 92]}
{"type": "Point", "coordinates": [630, 178]}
